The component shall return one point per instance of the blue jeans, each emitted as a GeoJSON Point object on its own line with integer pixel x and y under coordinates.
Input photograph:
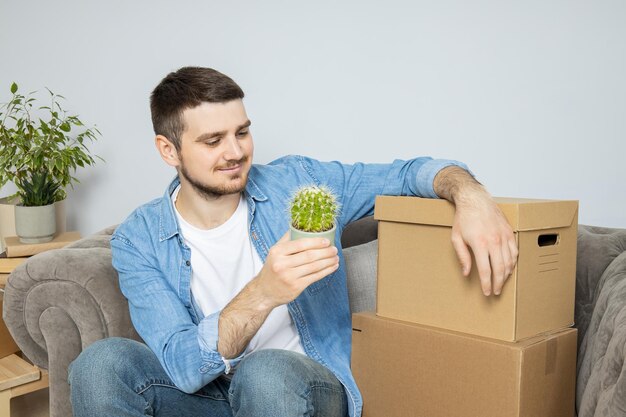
{"type": "Point", "coordinates": [118, 377]}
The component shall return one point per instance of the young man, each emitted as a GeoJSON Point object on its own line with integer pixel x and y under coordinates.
{"type": "Point", "coordinates": [237, 319]}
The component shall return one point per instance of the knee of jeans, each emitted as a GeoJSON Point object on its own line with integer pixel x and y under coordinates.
{"type": "Point", "coordinates": [271, 371]}
{"type": "Point", "coordinates": [103, 357]}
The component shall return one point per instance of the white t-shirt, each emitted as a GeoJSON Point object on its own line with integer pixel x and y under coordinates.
{"type": "Point", "coordinates": [223, 261]}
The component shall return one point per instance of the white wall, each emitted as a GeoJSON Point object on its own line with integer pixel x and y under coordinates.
{"type": "Point", "coordinates": [532, 94]}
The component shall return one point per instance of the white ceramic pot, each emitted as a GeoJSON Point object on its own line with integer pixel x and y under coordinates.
{"type": "Point", "coordinates": [35, 224]}
{"type": "Point", "coordinates": [299, 234]}
{"type": "Point", "coordinates": [7, 218]}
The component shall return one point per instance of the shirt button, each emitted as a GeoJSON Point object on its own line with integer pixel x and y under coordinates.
{"type": "Point", "coordinates": [188, 263]}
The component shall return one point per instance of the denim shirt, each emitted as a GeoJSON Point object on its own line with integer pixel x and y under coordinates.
{"type": "Point", "coordinates": [154, 266]}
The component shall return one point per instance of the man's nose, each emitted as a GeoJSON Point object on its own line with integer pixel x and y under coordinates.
{"type": "Point", "coordinates": [233, 152]}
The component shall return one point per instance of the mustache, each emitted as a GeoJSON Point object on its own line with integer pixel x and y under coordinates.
{"type": "Point", "coordinates": [235, 163]}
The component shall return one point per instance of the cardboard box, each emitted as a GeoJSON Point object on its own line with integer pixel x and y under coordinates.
{"type": "Point", "coordinates": [7, 344]}
{"type": "Point", "coordinates": [409, 370]}
{"type": "Point", "coordinates": [420, 278]}
{"type": "Point", "coordinates": [7, 219]}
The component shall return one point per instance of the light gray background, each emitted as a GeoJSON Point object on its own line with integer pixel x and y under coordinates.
{"type": "Point", "coordinates": [531, 94]}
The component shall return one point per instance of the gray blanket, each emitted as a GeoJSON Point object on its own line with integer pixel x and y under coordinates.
{"type": "Point", "coordinates": [601, 322]}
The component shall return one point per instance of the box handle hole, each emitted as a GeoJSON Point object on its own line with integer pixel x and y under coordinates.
{"type": "Point", "coordinates": [550, 239]}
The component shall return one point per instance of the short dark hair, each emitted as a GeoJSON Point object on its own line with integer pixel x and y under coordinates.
{"type": "Point", "coordinates": [187, 88]}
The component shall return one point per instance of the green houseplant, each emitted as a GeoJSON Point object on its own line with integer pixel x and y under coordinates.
{"type": "Point", "coordinates": [40, 148]}
{"type": "Point", "coordinates": [314, 213]}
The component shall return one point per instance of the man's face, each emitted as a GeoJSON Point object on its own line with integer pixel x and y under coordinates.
{"type": "Point", "coordinates": [216, 148]}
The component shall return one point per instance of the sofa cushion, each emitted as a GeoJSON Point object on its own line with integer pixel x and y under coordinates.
{"type": "Point", "coordinates": [361, 275]}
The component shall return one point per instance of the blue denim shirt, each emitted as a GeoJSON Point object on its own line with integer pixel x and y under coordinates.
{"type": "Point", "coordinates": [154, 266]}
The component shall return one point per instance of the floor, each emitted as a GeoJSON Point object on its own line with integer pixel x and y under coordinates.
{"type": "Point", "coordinates": [34, 404]}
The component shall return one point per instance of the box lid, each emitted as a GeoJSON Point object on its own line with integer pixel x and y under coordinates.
{"type": "Point", "coordinates": [523, 214]}
{"type": "Point", "coordinates": [361, 320]}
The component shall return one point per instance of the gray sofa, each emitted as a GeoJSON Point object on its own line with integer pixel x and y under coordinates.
{"type": "Point", "coordinates": [61, 301]}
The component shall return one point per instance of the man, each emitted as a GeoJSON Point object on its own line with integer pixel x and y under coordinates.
{"type": "Point", "coordinates": [239, 320]}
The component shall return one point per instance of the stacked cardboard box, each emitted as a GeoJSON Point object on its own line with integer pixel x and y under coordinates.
{"type": "Point", "coordinates": [438, 347]}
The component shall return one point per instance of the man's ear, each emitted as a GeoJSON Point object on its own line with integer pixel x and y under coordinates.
{"type": "Point", "coordinates": [167, 150]}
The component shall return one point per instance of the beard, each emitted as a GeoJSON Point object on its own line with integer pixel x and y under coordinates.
{"type": "Point", "coordinates": [211, 192]}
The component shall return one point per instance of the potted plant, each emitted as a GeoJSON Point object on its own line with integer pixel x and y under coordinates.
{"type": "Point", "coordinates": [40, 149]}
{"type": "Point", "coordinates": [35, 219]}
{"type": "Point", "coordinates": [314, 212]}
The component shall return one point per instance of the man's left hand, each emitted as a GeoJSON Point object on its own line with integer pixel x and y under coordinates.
{"type": "Point", "coordinates": [480, 225]}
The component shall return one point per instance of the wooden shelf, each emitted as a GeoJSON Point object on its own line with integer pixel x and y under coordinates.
{"type": "Point", "coordinates": [7, 265]}
{"type": "Point", "coordinates": [18, 377]}
{"type": "Point", "coordinates": [16, 371]}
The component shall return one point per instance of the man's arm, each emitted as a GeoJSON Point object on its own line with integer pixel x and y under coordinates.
{"type": "Point", "coordinates": [290, 267]}
{"type": "Point", "coordinates": [159, 315]}
{"type": "Point", "coordinates": [479, 224]}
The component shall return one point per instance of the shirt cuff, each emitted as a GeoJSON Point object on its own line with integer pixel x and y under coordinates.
{"type": "Point", "coordinates": [207, 338]}
{"type": "Point", "coordinates": [429, 170]}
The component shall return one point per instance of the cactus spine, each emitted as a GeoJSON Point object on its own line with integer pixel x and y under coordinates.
{"type": "Point", "coordinates": [313, 209]}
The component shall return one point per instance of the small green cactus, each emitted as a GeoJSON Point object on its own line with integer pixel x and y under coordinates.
{"type": "Point", "coordinates": [313, 209]}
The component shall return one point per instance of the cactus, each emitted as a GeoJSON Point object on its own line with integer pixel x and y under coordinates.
{"type": "Point", "coordinates": [313, 209]}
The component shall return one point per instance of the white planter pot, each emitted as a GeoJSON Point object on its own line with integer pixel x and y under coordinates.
{"type": "Point", "coordinates": [35, 224]}
{"type": "Point", "coordinates": [299, 234]}
{"type": "Point", "coordinates": [7, 218]}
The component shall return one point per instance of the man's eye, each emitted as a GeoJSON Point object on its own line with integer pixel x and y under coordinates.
{"type": "Point", "coordinates": [213, 142]}
{"type": "Point", "coordinates": [242, 133]}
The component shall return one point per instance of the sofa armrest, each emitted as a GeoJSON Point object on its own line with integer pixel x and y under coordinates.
{"type": "Point", "coordinates": [359, 232]}
{"type": "Point", "coordinates": [59, 302]}
{"type": "Point", "coordinates": [597, 248]}
{"type": "Point", "coordinates": [601, 320]}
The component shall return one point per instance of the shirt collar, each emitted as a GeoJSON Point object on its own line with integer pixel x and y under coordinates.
{"type": "Point", "coordinates": [168, 225]}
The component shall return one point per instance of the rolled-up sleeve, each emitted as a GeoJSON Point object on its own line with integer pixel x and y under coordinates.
{"type": "Point", "coordinates": [425, 177]}
{"type": "Point", "coordinates": [208, 337]}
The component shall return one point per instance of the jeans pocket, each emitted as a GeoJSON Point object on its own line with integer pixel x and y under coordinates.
{"type": "Point", "coordinates": [212, 391]}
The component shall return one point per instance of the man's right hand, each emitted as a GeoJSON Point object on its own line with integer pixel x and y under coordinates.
{"type": "Point", "coordinates": [293, 265]}
{"type": "Point", "coordinates": [290, 267]}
